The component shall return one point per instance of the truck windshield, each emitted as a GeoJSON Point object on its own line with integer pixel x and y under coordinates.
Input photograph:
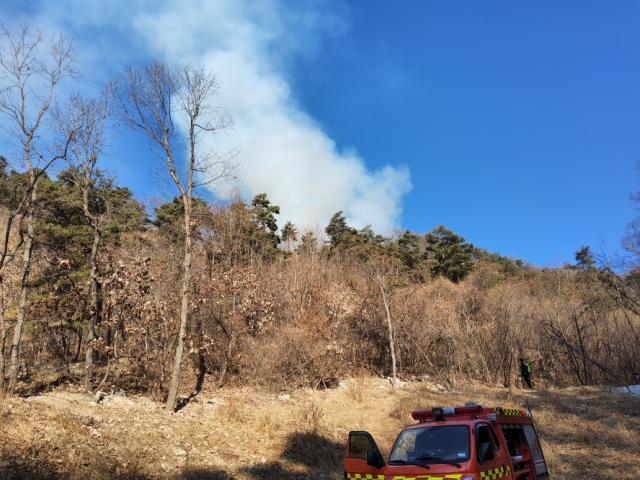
{"type": "Point", "coordinates": [437, 444]}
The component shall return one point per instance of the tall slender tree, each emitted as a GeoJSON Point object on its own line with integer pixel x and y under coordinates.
{"type": "Point", "coordinates": [32, 64]}
{"type": "Point", "coordinates": [150, 98]}
{"type": "Point", "coordinates": [386, 273]}
{"type": "Point", "coordinates": [264, 213]}
{"type": "Point", "coordinates": [289, 234]}
{"type": "Point", "coordinates": [88, 117]}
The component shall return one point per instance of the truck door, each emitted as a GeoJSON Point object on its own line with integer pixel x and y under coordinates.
{"type": "Point", "coordinates": [536, 452]}
{"type": "Point", "coordinates": [361, 446]}
{"type": "Point", "coordinates": [496, 463]}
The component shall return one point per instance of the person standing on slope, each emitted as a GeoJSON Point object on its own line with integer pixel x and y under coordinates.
{"type": "Point", "coordinates": [525, 370]}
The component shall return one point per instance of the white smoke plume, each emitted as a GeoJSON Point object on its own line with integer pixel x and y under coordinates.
{"type": "Point", "coordinates": [251, 46]}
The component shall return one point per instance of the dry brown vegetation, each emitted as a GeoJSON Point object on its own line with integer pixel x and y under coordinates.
{"type": "Point", "coordinates": [313, 317]}
{"type": "Point", "coordinates": [248, 433]}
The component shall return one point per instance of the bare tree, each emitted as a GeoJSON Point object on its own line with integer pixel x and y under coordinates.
{"type": "Point", "coordinates": [384, 272]}
{"type": "Point", "coordinates": [150, 98]}
{"type": "Point", "coordinates": [32, 64]}
{"type": "Point", "coordinates": [84, 119]}
{"type": "Point", "coordinates": [8, 250]}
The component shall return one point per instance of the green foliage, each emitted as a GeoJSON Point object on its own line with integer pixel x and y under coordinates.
{"type": "Point", "coordinates": [64, 231]}
{"type": "Point", "coordinates": [289, 232]}
{"type": "Point", "coordinates": [584, 258]}
{"type": "Point", "coordinates": [4, 164]}
{"type": "Point", "coordinates": [13, 186]}
{"type": "Point", "coordinates": [508, 266]}
{"type": "Point", "coordinates": [343, 237]}
{"type": "Point", "coordinates": [128, 215]}
{"type": "Point", "coordinates": [71, 177]}
{"type": "Point", "coordinates": [114, 206]}
{"type": "Point", "coordinates": [340, 234]}
{"type": "Point", "coordinates": [59, 205]}
{"type": "Point", "coordinates": [367, 235]}
{"type": "Point", "coordinates": [169, 216]}
{"type": "Point", "coordinates": [238, 234]}
{"type": "Point", "coordinates": [408, 249]}
{"type": "Point", "coordinates": [450, 255]}
{"type": "Point", "coordinates": [61, 215]}
{"type": "Point", "coordinates": [264, 214]}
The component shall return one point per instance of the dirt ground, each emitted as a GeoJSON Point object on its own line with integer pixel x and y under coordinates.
{"type": "Point", "coordinates": [586, 433]}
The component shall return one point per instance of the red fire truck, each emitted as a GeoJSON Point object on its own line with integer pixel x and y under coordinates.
{"type": "Point", "coordinates": [460, 443]}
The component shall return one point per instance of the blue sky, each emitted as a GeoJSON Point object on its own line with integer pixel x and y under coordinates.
{"type": "Point", "coordinates": [515, 124]}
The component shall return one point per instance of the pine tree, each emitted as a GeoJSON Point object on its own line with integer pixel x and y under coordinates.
{"type": "Point", "coordinates": [584, 258]}
{"type": "Point", "coordinates": [264, 213]}
{"type": "Point", "coordinates": [289, 234]}
{"type": "Point", "coordinates": [340, 234]}
{"type": "Point", "coordinates": [450, 255]}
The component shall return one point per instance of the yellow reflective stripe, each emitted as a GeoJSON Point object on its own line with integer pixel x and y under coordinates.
{"type": "Point", "coordinates": [489, 475]}
{"type": "Point", "coordinates": [496, 473]}
{"type": "Point", "coordinates": [365, 476]}
{"type": "Point", "coordinates": [452, 476]}
{"type": "Point", "coordinates": [510, 412]}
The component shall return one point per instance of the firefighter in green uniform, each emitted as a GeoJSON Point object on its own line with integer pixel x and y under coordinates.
{"type": "Point", "coordinates": [525, 370]}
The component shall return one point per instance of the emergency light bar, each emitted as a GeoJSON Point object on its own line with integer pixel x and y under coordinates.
{"type": "Point", "coordinates": [439, 413]}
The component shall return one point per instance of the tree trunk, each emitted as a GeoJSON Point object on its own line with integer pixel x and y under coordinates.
{"type": "Point", "coordinates": [78, 347]}
{"type": "Point", "coordinates": [3, 334]}
{"type": "Point", "coordinates": [390, 324]}
{"type": "Point", "coordinates": [184, 315]}
{"type": "Point", "coordinates": [201, 368]}
{"type": "Point", "coordinates": [28, 248]}
{"type": "Point", "coordinates": [93, 314]}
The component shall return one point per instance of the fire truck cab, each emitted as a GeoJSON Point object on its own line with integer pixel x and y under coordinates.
{"type": "Point", "coordinates": [460, 443]}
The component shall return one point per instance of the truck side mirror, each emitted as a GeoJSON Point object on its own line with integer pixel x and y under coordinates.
{"type": "Point", "coordinates": [374, 458]}
{"type": "Point", "coordinates": [485, 452]}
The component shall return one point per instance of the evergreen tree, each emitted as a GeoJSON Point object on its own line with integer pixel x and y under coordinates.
{"type": "Point", "coordinates": [4, 164]}
{"type": "Point", "coordinates": [584, 258]}
{"type": "Point", "coordinates": [367, 235]}
{"type": "Point", "coordinates": [13, 188]}
{"type": "Point", "coordinates": [407, 248]}
{"type": "Point", "coordinates": [289, 234]}
{"type": "Point", "coordinates": [169, 217]}
{"type": "Point", "coordinates": [340, 234]}
{"type": "Point", "coordinates": [264, 214]}
{"type": "Point", "coordinates": [64, 230]}
{"type": "Point", "coordinates": [450, 256]}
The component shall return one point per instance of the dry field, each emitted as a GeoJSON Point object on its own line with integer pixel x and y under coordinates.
{"type": "Point", "coordinates": [247, 434]}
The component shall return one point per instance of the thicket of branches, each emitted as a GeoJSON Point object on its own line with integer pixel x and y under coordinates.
{"type": "Point", "coordinates": [104, 292]}
{"type": "Point", "coordinates": [314, 314]}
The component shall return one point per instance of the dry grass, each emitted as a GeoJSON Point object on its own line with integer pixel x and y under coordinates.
{"type": "Point", "coordinates": [588, 430]}
{"type": "Point", "coordinates": [249, 435]}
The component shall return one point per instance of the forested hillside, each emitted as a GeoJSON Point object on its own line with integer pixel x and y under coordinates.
{"type": "Point", "coordinates": [306, 312]}
{"type": "Point", "coordinates": [96, 287]}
